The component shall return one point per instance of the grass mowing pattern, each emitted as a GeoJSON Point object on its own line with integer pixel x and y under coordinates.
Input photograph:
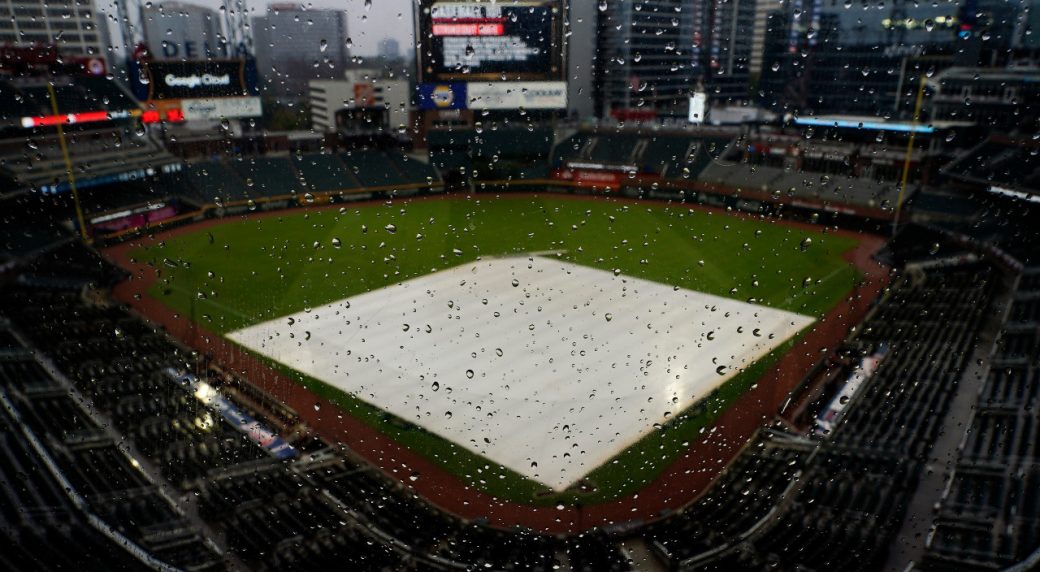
{"type": "Point", "coordinates": [247, 271]}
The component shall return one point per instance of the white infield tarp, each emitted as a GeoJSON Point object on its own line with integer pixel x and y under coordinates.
{"type": "Point", "coordinates": [550, 376]}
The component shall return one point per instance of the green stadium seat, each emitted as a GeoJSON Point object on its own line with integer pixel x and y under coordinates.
{"type": "Point", "coordinates": [325, 173]}
{"type": "Point", "coordinates": [268, 176]}
{"type": "Point", "coordinates": [373, 168]}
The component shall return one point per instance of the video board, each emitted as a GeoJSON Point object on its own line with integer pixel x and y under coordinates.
{"type": "Point", "coordinates": [490, 41]}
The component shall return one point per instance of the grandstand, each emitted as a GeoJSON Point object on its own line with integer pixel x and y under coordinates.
{"type": "Point", "coordinates": [261, 179]}
{"type": "Point", "coordinates": [106, 151]}
{"type": "Point", "coordinates": [29, 97]}
{"type": "Point", "coordinates": [665, 154]}
{"type": "Point", "coordinates": [990, 514]}
{"type": "Point", "coordinates": [999, 161]}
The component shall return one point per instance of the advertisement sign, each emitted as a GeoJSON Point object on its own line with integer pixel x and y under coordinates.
{"type": "Point", "coordinates": [484, 40]}
{"type": "Point", "coordinates": [442, 96]}
{"type": "Point", "coordinates": [89, 182]}
{"type": "Point", "coordinates": [493, 95]}
{"type": "Point", "coordinates": [517, 95]}
{"type": "Point", "coordinates": [589, 179]}
{"type": "Point", "coordinates": [268, 440]}
{"type": "Point", "coordinates": [220, 108]}
{"type": "Point", "coordinates": [192, 79]}
{"type": "Point", "coordinates": [133, 218]}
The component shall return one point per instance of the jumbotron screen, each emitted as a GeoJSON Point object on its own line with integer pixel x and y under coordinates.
{"type": "Point", "coordinates": [486, 40]}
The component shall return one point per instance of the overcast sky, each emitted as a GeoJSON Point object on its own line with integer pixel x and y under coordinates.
{"type": "Point", "coordinates": [366, 26]}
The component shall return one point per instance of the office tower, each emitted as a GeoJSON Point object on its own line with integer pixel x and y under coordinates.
{"type": "Point", "coordinates": [389, 48]}
{"type": "Point", "coordinates": [182, 31]}
{"type": "Point", "coordinates": [71, 25]}
{"type": "Point", "coordinates": [643, 60]}
{"type": "Point", "coordinates": [294, 44]}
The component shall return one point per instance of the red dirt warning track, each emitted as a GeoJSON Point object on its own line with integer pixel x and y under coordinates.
{"type": "Point", "coordinates": [678, 485]}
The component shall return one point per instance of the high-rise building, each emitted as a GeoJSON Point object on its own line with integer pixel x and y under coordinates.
{"type": "Point", "coordinates": [643, 58]}
{"type": "Point", "coordinates": [581, 58]}
{"type": "Point", "coordinates": [71, 25]}
{"type": "Point", "coordinates": [653, 55]}
{"type": "Point", "coordinates": [825, 58]}
{"type": "Point", "coordinates": [759, 30]}
{"type": "Point", "coordinates": [182, 31]}
{"type": "Point", "coordinates": [294, 44]}
{"type": "Point", "coordinates": [723, 34]}
{"type": "Point", "coordinates": [364, 101]}
{"type": "Point", "coordinates": [389, 48]}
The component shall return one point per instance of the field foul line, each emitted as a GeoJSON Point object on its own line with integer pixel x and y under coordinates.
{"type": "Point", "coordinates": [795, 296]}
{"type": "Point", "coordinates": [218, 305]}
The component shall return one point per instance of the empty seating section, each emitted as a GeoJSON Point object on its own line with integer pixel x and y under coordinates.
{"type": "Point", "coordinates": [511, 143]}
{"type": "Point", "coordinates": [99, 152]}
{"type": "Point", "coordinates": [571, 149]}
{"type": "Point", "coordinates": [929, 330]}
{"type": "Point", "coordinates": [373, 168]}
{"type": "Point", "coordinates": [1000, 161]}
{"type": "Point", "coordinates": [324, 173]}
{"type": "Point", "coordinates": [668, 155]}
{"type": "Point", "coordinates": [36, 514]}
{"type": "Point", "coordinates": [276, 507]}
{"type": "Point", "coordinates": [215, 182]}
{"type": "Point", "coordinates": [267, 176]}
{"type": "Point", "coordinates": [413, 169]}
{"type": "Point", "coordinates": [990, 517]}
{"type": "Point", "coordinates": [849, 489]}
{"type": "Point", "coordinates": [745, 493]}
{"type": "Point", "coordinates": [24, 232]}
{"type": "Point", "coordinates": [671, 155]}
{"type": "Point", "coordinates": [87, 457]}
{"type": "Point", "coordinates": [704, 152]}
{"type": "Point", "coordinates": [619, 148]}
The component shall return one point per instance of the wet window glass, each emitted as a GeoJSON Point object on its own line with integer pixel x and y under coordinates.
{"type": "Point", "coordinates": [596, 285]}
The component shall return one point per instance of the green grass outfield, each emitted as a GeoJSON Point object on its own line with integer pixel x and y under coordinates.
{"type": "Point", "coordinates": [248, 271]}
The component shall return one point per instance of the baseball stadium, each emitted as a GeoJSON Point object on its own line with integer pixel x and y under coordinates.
{"type": "Point", "coordinates": [663, 286]}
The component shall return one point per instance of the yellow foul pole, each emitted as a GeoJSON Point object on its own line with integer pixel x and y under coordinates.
{"type": "Point", "coordinates": [68, 166]}
{"type": "Point", "coordinates": [909, 151]}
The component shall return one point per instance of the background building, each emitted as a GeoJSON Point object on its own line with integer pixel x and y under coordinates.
{"type": "Point", "coordinates": [643, 60]}
{"type": "Point", "coordinates": [652, 56]}
{"type": "Point", "coordinates": [722, 47]}
{"type": "Point", "coordinates": [760, 27]}
{"type": "Point", "coordinates": [294, 44]}
{"type": "Point", "coordinates": [828, 59]}
{"type": "Point", "coordinates": [361, 102]}
{"type": "Point", "coordinates": [71, 26]}
{"type": "Point", "coordinates": [181, 31]}
{"type": "Point", "coordinates": [581, 58]}
{"type": "Point", "coordinates": [389, 48]}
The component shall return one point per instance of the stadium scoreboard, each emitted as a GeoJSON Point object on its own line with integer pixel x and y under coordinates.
{"type": "Point", "coordinates": [490, 41]}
